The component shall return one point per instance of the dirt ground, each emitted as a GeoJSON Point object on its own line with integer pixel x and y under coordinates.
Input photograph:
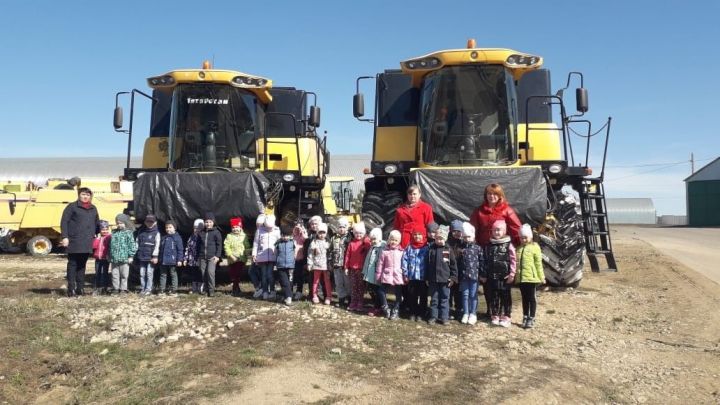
{"type": "Point", "coordinates": [647, 334]}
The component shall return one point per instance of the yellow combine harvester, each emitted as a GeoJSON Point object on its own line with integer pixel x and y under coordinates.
{"type": "Point", "coordinates": [457, 120]}
{"type": "Point", "coordinates": [227, 142]}
{"type": "Point", "coordinates": [30, 216]}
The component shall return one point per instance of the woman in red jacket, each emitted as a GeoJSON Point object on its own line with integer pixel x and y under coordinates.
{"type": "Point", "coordinates": [494, 208]}
{"type": "Point", "coordinates": [414, 211]}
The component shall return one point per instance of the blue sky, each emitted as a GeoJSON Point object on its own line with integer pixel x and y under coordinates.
{"type": "Point", "coordinates": [651, 65]}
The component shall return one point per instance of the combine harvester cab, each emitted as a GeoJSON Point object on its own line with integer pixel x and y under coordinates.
{"type": "Point", "coordinates": [230, 143]}
{"type": "Point", "coordinates": [455, 121]}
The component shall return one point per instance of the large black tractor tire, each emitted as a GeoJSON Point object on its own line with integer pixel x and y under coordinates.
{"type": "Point", "coordinates": [564, 252]}
{"type": "Point", "coordinates": [378, 209]}
{"type": "Point", "coordinates": [7, 246]}
{"type": "Point", "coordinates": [39, 246]}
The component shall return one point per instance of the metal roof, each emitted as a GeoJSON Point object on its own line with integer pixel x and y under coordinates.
{"type": "Point", "coordinates": [39, 170]}
{"type": "Point", "coordinates": [710, 171]}
{"type": "Point", "coordinates": [631, 211]}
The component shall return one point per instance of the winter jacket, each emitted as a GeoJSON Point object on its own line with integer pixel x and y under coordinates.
{"type": "Point", "coordinates": [306, 246]}
{"type": "Point", "coordinates": [299, 236]}
{"type": "Point", "coordinates": [414, 261]}
{"type": "Point", "coordinates": [101, 247]}
{"type": "Point", "coordinates": [317, 255]}
{"type": "Point", "coordinates": [530, 266]}
{"type": "Point", "coordinates": [406, 217]}
{"type": "Point", "coordinates": [285, 253]}
{"type": "Point", "coordinates": [355, 253]}
{"type": "Point", "coordinates": [388, 269]}
{"type": "Point", "coordinates": [441, 266]}
{"type": "Point", "coordinates": [236, 245]}
{"type": "Point", "coordinates": [456, 246]}
{"type": "Point", "coordinates": [264, 244]}
{"type": "Point", "coordinates": [191, 250]}
{"type": "Point", "coordinates": [210, 244]}
{"type": "Point", "coordinates": [370, 265]}
{"type": "Point", "coordinates": [338, 246]}
{"type": "Point", "coordinates": [79, 225]}
{"type": "Point", "coordinates": [122, 246]}
{"type": "Point", "coordinates": [471, 261]}
{"type": "Point", "coordinates": [500, 259]}
{"type": "Point", "coordinates": [171, 250]}
{"type": "Point", "coordinates": [483, 218]}
{"type": "Point", "coordinates": [148, 242]}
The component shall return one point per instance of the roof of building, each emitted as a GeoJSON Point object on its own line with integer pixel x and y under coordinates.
{"type": "Point", "coordinates": [710, 171]}
{"type": "Point", "coordinates": [39, 170]}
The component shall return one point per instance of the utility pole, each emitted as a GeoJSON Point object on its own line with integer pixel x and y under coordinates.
{"type": "Point", "coordinates": [692, 163]}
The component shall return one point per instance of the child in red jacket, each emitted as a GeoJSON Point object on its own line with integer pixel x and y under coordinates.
{"type": "Point", "coordinates": [354, 259]}
{"type": "Point", "coordinates": [101, 253]}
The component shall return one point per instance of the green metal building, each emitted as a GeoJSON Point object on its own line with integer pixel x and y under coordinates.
{"type": "Point", "coordinates": [703, 195]}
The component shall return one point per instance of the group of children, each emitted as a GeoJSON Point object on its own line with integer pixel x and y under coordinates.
{"type": "Point", "coordinates": [440, 262]}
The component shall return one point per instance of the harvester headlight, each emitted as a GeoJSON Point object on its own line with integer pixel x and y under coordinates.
{"type": "Point", "coordinates": [288, 177]}
{"type": "Point", "coordinates": [425, 63]}
{"type": "Point", "coordinates": [391, 169]}
{"type": "Point", "coordinates": [162, 81]}
{"type": "Point", "coordinates": [555, 168]}
{"type": "Point", "coordinates": [522, 60]}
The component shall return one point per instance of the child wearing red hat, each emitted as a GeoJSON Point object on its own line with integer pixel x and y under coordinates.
{"type": "Point", "coordinates": [236, 247]}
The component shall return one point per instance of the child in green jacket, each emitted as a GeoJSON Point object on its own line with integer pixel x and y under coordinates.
{"type": "Point", "coordinates": [122, 250]}
{"type": "Point", "coordinates": [529, 274]}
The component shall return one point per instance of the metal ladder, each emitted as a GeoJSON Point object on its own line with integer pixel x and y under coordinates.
{"type": "Point", "coordinates": [595, 223]}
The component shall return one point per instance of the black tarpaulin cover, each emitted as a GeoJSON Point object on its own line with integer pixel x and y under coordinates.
{"type": "Point", "coordinates": [455, 193]}
{"type": "Point", "coordinates": [184, 197]}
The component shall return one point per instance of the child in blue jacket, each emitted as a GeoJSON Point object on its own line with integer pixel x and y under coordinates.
{"type": "Point", "coordinates": [171, 257]}
{"type": "Point", "coordinates": [285, 260]}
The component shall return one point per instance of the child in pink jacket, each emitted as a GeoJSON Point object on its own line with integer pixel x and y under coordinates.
{"type": "Point", "coordinates": [388, 274]}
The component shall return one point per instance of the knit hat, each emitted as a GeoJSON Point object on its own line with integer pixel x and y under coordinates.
{"type": "Point", "coordinates": [236, 221]}
{"type": "Point", "coordinates": [456, 225]}
{"type": "Point", "coordinates": [343, 222]}
{"type": "Point", "coordinates": [125, 220]}
{"type": "Point", "coordinates": [376, 233]}
{"type": "Point", "coordinates": [170, 222]}
{"type": "Point", "coordinates": [395, 234]}
{"type": "Point", "coordinates": [270, 221]}
{"type": "Point", "coordinates": [499, 224]}
{"type": "Point", "coordinates": [209, 216]}
{"type": "Point", "coordinates": [432, 227]}
{"type": "Point", "coordinates": [526, 231]}
{"type": "Point", "coordinates": [150, 218]}
{"type": "Point", "coordinates": [322, 227]}
{"type": "Point", "coordinates": [468, 229]}
{"type": "Point", "coordinates": [442, 232]}
{"type": "Point", "coordinates": [359, 228]}
{"type": "Point", "coordinates": [103, 224]}
{"type": "Point", "coordinates": [317, 219]}
{"type": "Point", "coordinates": [198, 224]}
{"type": "Point", "coordinates": [260, 219]}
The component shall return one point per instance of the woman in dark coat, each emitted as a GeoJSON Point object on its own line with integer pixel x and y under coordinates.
{"type": "Point", "coordinates": [78, 227]}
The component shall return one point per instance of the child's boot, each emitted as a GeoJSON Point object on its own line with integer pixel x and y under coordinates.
{"type": "Point", "coordinates": [530, 323]}
{"type": "Point", "coordinates": [394, 314]}
{"type": "Point", "coordinates": [386, 311]}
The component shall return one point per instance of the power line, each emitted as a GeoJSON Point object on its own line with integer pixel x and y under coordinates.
{"type": "Point", "coordinates": [650, 171]}
{"type": "Point", "coordinates": [656, 164]}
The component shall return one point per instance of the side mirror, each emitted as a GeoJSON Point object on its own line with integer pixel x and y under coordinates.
{"type": "Point", "coordinates": [358, 105]}
{"type": "Point", "coordinates": [12, 207]}
{"type": "Point", "coordinates": [118, 118]}
{"type": "Point", "coordinates": [314, 116]}
{"type": "Point", "coordinates": [581, 98]}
